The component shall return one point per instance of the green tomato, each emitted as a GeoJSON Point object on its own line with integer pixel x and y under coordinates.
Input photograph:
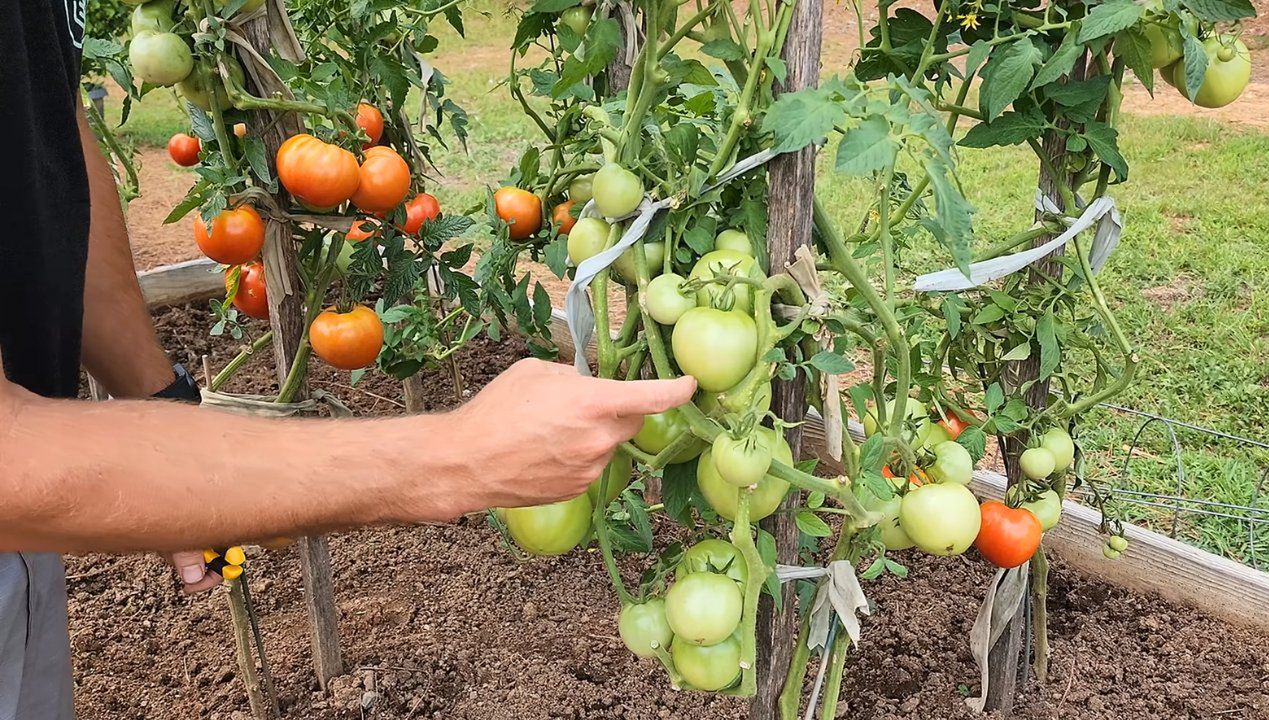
{"type": "Point", "coordinates": [710, 668]}
{"type": "Point", "coordinates": [703, 608]}
{"type": "Point", "coordinates": [344, 259]}
{"type": "Point", "coordinates": [717, 347]}
{"type": "Point", "coordinates": [725, 497]}
{"type": "Point", "coordinates": [741, 461]}
{"type": "Point", "coordinates": [1118, 543]}
{"type": "Point", "coordinates": [941, 518]}
{"type": "Point", "coordinates": [1166, 44]}
{"type": "Point", "coordinates": [664, 301]}
{"type": "Point", "coordinates": [913, 409]}
{"type": "Point", "coordinates": [588, 238]}
{"type": "Point", "coordinates": [617, 483]}
{"type": "Point", "coordinates": [952, 463]}
{"type": "Point", "coordinates": [247, 7]}
{"type": "Point", "coordinates": [552, 529]}
{"type": "Point", "coordinates": [721, 263]}
{"type": "Point", "coordinates": [1037, 463]}
{"type": "Point", "coordinates": [892, 534]}
{"type": "Point", "coordinates": [153, 17]}
{"type": "Point", "coordinates": [1047, 508]}
{"type": "Point", "coordinates": [733, 240]}
{"type": "Point", "coordinates": [160, 58]}
{"type": "Point", "coordinates": [738, 399]}
{"type": "Point", "coordinates": [653, 252]}
{"type": "Point", "coordinates": [617, 191]}
{"type": "Point", "coordinates": [714, 556]}
{"type": "Point", "coordinates": [643, 628]}
{"type": "Point", "coordinates": [198, 92]}
{"type": "Point", "coordinates": [1228, 72]}
{"type": "Point", "coordinates": [931, 434]}
{"type": "Point", "coordinates": [661, 429]}
{"type": "Point", "coordinates": [577, 19]}
{"type": "Point", "coordinates": [580, 190]}
{"type": "Point", "coordinates": [1058, 441]}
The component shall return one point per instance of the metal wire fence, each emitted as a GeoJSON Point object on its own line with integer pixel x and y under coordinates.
{"type": "Point", "coordinates": [1175, 512]}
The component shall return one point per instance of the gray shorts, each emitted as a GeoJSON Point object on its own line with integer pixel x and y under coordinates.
{"type": "Point", "coordinates": [35, 667]}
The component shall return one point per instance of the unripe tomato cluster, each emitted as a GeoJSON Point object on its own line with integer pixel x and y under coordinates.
{"type": "Point", "coordinates": [1228, 60]}
{"type": "Point", "coordinates": [935, 511]}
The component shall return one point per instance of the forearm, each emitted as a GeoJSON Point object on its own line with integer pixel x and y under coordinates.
{"type": "Point", "coordinates": [119, 345]}
{"type": "Point", "coordinates": [127, 476]}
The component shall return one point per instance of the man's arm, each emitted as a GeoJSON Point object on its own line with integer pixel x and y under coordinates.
{"type": "Point", "coordinates": [122, 476]}
{"type": "Point", "coordinates": [119, 345]}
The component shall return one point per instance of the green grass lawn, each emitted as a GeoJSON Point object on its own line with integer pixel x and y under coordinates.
{"type": "Point", "coordinates": [1190, 280]}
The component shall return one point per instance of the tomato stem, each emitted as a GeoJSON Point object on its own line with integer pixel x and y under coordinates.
{"type": "Point", "coordinates": [239, 360]}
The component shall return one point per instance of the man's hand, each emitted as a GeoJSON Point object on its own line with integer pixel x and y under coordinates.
{"type": "Point", "coordinates": [192, 571]}
{"type": "Point", "coordinates": [542, 433]}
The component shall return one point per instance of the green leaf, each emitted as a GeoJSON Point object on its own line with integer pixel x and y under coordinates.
{"type": "Point", "coordinates": [1060, 63]}
{"type": "Point", "coordinates": [1195, 59]}
{"type": "Point", "coordinates": [1220, 10]}
{"type": "Point", "coordinates": [1078, 92]}
{"type": "Point", "coordinates": [978, 54]}
{"type": "Point", "coordinates": [799, 119]}
{"type": "Point", "coordinates": [1103, 139]}
{"type": "Point", "coordinates": [811, 524]}
{"type": "Point", "coordinates": [779, 70]}
{"type": "Point", "coordinates": [1050, 351]}
{"type": "Point", "coordinates": [988, 314]}
{"type": "Point", "coordinates": [878, 485]}
{"type": "Point", "coordinates": [678, 484]}
{"type": "Point", "coordinates": [1022, 351]}
{"type": "Point", "coordinates": [1109, 18]}
{"type": "Point", "coordinates": [815, 500]}
{"type": "Point", "coordinates": [1006, 75]}
{"type": "Point", "coordinates": [951, 306]}
{"type": "Point", "coordinates": [553, 6]}
{"type": "Point", "coordinates": [639, 520]}
{"type": "Point", "coordinates": [974, 440]}
{"type": "Point", "coordinates": [725, 50]}
{"type": "Point", "coordinates": [557, 255]}
{"type": "Point", "coordinates": [867, 148]}
{"type": "Point", "coordinates": [831, 363]}
{"type": "Point", "coordinates": [895, 568]}
{"type": "Point", "coordinates": [1011, 128]}
{"type": "Point", "coordinates": [767, 551]}
{"type": "Point", "coordinates": [253, 150]}
{"type": "Point", "coordinates": [1133, 47]}
{"type": "Point", "coordinates": [994, 398]}
{"type": "Point", "coordinates": [873, 452]}
{"type": "Point", "coordinates": [953, 212]}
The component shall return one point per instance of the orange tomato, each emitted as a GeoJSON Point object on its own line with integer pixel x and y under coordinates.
{"type": "Point", "coordinates": [917, 478]}
{"type": "Point", "coordinates": [370, 120]}
{"type": "Point", "coordinates": [362, 228]}
{"type": "Point", "coordinates": [563, 219]}
{"type": "Point", "coordinates": [236, 235]}
{"type": "Point", "coordinates": [348, 341]}
{"type": "Point", "coordinates": [419, 209]}
{"type": "Point", "coordinates": [320, 175]}
{"type": "Point", "coordinates": [1008, 537]}
{"type": "Point", "coordinates": [954, 425]}
{"type": "Point", "coordinates": [252, 298]}
{"type": "Point", "coordinates": [520, 209]}
{"type": "Point", "coordinates": [385, 180]}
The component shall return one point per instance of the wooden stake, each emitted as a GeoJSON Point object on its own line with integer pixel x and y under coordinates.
{"type": "Point", "coordinates": [242, 641]}
{"type": "Point", "coordinates": [286, 318]}
{"type": "Point", "coordinates": [792, 182]}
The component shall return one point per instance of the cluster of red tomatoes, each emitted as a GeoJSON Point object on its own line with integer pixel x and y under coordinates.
{"type": "Point", "coordinates": [934, 510]}
{"type": "Point", "coordinates": [322, 177]}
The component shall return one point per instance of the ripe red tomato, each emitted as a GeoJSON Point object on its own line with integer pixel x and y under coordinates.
{"type": "Point", "coordinates": [563, 220]}
{"type": "Point", "coordinates": [421, 208]}
{"type": "Point", "coordinates": [520, 209]}
{"type": "Point", "coordinates": [954, 425]}
{"type": "Point", "coordinates": [236, 235]}
{"type": "Point", "coordinates": [362, 229]}
{"type": "Point", "coordinates": [184, 149]}
{"type": "Point", "coordinates": [348, 341]}
{"type": "Point", "coordinates": [370, 120]}
{"type": "Point", "coordinates": [319, 174]}
{"type": "Point", "coordinates": [917, 478]}
{"type": "Point", "coordinates": [385, 181]}
{"type": "Point", "coordinates": [252, 298]}
{"type": "Point", "coordinates": [1008, 537]}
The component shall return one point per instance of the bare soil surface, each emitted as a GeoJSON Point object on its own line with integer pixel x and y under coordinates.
{"type": "Point", "coordinates": [440, 621]}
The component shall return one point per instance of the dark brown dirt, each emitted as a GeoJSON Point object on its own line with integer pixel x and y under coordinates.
{"type": "Point", "coordinates": [441, 622]}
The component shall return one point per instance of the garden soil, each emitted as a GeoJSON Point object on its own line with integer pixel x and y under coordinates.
{"type": "Point", "coordinates": [441, 621]}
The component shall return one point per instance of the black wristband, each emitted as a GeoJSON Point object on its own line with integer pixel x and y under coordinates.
{"type": "Point", "coordinates": [183, 388]}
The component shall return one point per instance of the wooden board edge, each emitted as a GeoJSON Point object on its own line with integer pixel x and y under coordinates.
{"type": "Point", "coordinates": [1153, 563]}
{"type": "Point", "coordinates": [182, 282]}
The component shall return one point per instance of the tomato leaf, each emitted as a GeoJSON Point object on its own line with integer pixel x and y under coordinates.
{"type": "Point", "coordinates": [878, 485]}
{"type": "Point", "coordinates": [831, 363]}
{"type": "Point", "coordinates": [1220, 10]}
{"type": "Point", "coordinates": [974, 440]}
{"type": "Point", "coordinates": [1021, 351]}
{"type": "Point", "coordinates": [1011, 128]}
{"type": "Point", "coordinates": [988, 314]}
{"type": "Point", "coordinates": [1006, 75]}
{"type": "Point", "coordinates": [811, 524]}
{"type": "Point", "coordinates": [678, 485]}
{"type": "Point", "coordinates": [767, 551]}
{"type": "Point", "coordinates": [1059, 63]}
{"type": "Point", "coordinates": [994, 398]}
{"type": "Point", "coordinates": [724, 49]}
{"type": "Point", "coordinates": [639, 519]}
{"type": "Point", "coordinates": [1050, 351]}
{"type": "Point", "coordinates": [873, 452]}
{"type": "Point", "coordinates": [557, 256]}
{"type": "Point", "coordinates": [953, 212]}
{"type": "Point", "coordinates": [952, 306]}
{"type": "Point", "coordinates": [1133, 47]}
{"type": "Point", "coordinates": [1104, 140]}
{"type": "Point", "coordinates": [1195, 59]}
{"type": "Point", "coordinates": [779, 70]}
{"type": "Point", "coordinates": [1109, 18]}
{"type": "Point", "coordinates": [815, 500]}
{"type": "Point", "coordinates": [894, 568]}
{"type": "Point", "coordinates": [799, 119]}
{"type": "Point", "coordinates": [1078, 92]}
{"type": "Point", "coordinates": [867, 148]}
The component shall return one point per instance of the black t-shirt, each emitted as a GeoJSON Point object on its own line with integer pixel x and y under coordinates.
{"type": "Point", "coordinates": [43, 194]}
